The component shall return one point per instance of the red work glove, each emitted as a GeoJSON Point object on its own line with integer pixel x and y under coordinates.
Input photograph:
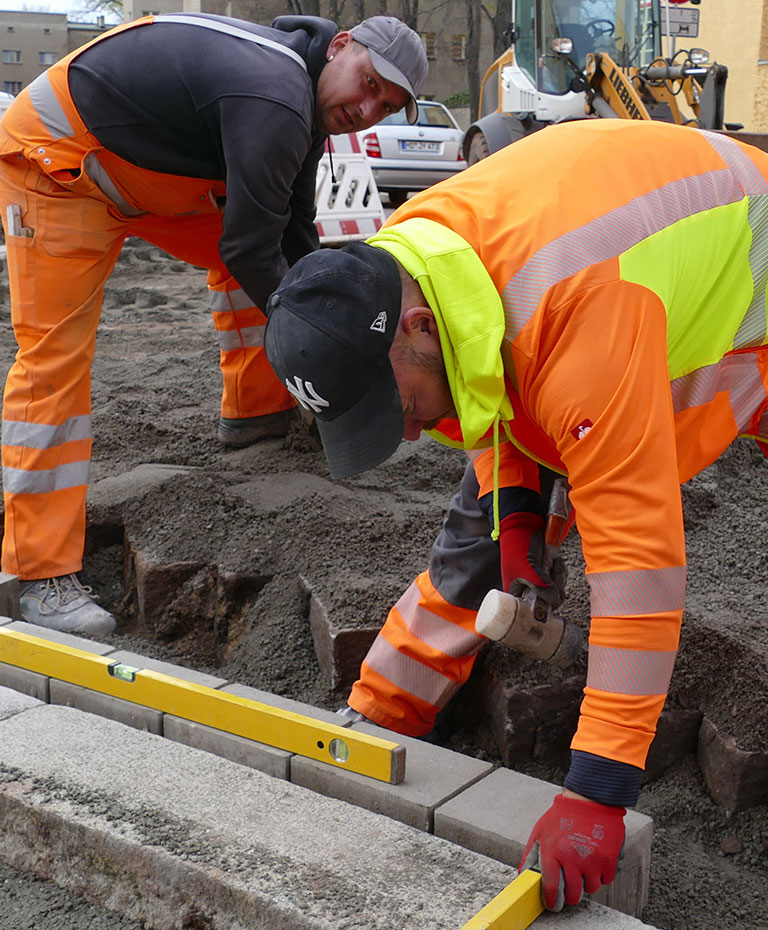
{"type": "Point", "coordinates": [521, 549]}
{"type": "Point", "coordinates": [576, 845]}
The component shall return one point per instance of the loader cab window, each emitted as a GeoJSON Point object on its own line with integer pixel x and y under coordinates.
{"type": "Point", "coordinates": [525, 46]}
{"type": "Point", "coordinates": [627, 30]}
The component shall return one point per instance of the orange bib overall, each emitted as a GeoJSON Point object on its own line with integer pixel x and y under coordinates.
{"type": "Point", "coordinates": [71, 205]}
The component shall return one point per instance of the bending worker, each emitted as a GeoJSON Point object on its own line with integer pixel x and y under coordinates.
{"type": "Point", "coordinates": [592, 297]}
{"type": "Point", "coordinates": [202, 135]}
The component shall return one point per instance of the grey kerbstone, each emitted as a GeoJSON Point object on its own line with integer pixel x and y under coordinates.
{"type": "Point", "coordinates": [12, 703]}
{"type": "Point", "coordinates": [432, 776]}
{"type": "Point", "coordinates": [9, 596]}
{"type": "Point", "coordinates": [177, 838]}
{"type": "Point", "coordinates": [267, 759]}
{"type": "Point", "coordinates": [21, 679]}
{"type": "Point", "coordinates": [104, 705]}
{"type": "Point", "coordinates": [496, 815]}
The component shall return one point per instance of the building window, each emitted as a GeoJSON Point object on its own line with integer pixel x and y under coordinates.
{"type": "Point", "coordinates": [11, 56]}
{"type": "Point", "coordinates": [47, 58]}
{"type": "Point", "coordinates": [428, 38]}
{"type": "Point", "coordinates": [459, 48]}
{"type": "Point", "coordinates": [12, 87]}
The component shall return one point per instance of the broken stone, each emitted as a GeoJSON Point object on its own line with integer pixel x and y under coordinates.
{"type": "Point", "coordinates": [677, 734]}
{"type": "Point", "coordinates": [340, 652]}
{"type": "Point", "coordinates": [730, 845]}
{"type": "Point", "coordinates": [735, 778]}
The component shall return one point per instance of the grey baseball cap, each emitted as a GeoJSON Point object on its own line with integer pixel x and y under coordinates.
{"type": "Point", "coordinates": [397, 53]}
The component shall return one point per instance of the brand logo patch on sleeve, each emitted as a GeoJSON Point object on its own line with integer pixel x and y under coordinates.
{"type": "Point", "coordinates": [580, 431]}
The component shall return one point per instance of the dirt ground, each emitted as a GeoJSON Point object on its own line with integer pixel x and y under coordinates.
{"type": "Point", "coordinates": [248, 529]}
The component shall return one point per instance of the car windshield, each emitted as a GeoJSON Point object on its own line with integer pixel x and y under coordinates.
{"type": "Point", "coordinates": [429, 115]}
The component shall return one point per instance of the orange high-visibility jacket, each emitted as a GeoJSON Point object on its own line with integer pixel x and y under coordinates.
{"type": "Point", "coordinates": [631, 260]}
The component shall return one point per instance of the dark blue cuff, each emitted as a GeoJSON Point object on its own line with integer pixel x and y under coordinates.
{"type": "Point", "coordinates": [512, 500]}
{"type": "Point", "coordinates": [604, 780]}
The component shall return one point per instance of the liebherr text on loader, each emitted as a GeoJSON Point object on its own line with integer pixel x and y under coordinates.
{"type": "Point", "coordinates": [587, 59]}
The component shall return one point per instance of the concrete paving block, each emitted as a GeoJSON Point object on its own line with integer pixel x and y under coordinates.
{"type": "Point", "coordinates": [267, 759]}
{"type": "Point", "coordinates": [21, 679]}
{"type": "Point", "coordinates": [12, 703]}
{"type": "Point", "coordinates": [173, 837]}
{"type": "Point", "coordinates": [63, 639]}
{"type": "Point", "coordinates": [9, 596]}
{"type": "Point", "coordinates": [495, 817]}
{"type": "Point", "coordinates": [432, 776]}
{"type": "Point", "coordinates": [167, 668]}
{"type": "Point", "coordinates": [104, 705]}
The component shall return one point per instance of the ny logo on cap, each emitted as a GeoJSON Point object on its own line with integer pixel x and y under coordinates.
{"type": "Point", "coordinates": [379, 325]}
{"type": "Point", "coordinates": [306, 395]}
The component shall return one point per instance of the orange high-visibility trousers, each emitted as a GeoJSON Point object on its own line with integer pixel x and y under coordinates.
{"type": "Point", "coordinates": [70, 236]}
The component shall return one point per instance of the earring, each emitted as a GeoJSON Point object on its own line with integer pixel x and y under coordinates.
{"type": "Point", "coordinates": [330, 58]}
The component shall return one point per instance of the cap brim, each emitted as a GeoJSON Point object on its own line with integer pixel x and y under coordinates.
{"type": "Point", "coordinates": [368, 433]}
{"type": "Point", "coordinates": [390, 73]}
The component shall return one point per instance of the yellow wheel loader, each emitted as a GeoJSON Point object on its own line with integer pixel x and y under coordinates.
{"type": "Point", "coordinates": [587, 59]}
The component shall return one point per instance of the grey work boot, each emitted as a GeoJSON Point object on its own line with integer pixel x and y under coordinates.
{"type": "Point", "coordinates": [63, 604]}
{"type": "Point", "coordinates": [246, 431]}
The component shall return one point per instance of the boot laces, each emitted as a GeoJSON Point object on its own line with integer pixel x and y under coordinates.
{"type": "Point", "coordinates": [59, 592]}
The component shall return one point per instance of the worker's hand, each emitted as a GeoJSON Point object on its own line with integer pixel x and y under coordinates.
{"type": "Point", "coordinates": [521, 550]}
{"type": "Point", "coordinates": [576, 846]}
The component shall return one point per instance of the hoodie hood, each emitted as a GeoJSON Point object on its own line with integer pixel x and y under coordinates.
{"type": "Point", "coordinates": [469, 316]}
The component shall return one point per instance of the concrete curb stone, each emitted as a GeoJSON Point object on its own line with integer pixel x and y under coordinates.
{"type": "Point", "coordinates": [174, 836]}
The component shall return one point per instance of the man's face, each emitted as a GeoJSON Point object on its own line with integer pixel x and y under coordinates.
{"type": "Point", "coordinates": [426, 397]}
{"type": "Point", "coordinates": [351, 94]}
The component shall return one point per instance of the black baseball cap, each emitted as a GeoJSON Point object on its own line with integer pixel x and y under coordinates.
{"type": "Point", "coordinates": [330, 327]}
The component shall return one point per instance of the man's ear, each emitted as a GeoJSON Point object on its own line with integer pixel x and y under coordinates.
{"type": "Point", "coordinates": [340, 41]}
{"type": "Point", "coordinates": [420, 323]}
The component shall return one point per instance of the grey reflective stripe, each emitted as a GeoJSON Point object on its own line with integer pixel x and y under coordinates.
{"type": "Point", "coordinates": [409, 675]}
{"type": "Point", "coordinates": [752, 331]}
{"type": "Point", "coordinates": [736, 375]}
{"type": "Point", "coordinates": [96, 172]}
{"type": "Point", "coordinates": [232, 31]}
{"type": "Point", "coordinates": [762, 426]}
{"type": "Point", "coordinates": [247, 337]}
{"type": "Point", "coordinates": [753, 328]}
{"type": "Point", "coordinates": [227, 301]}
{"type": "Point", "coordinates": [609, 236]}
{"type": "Point", "coordinates": [629, 671]}
{"type": "Point", "coordinates": [740, 165]}
{"type": "Point", "coordinates": [46, 435]}
{"type": "Point", "coordinates": [48, 108]}
{"type": "Point", "coordinates": [644, 591]}
{"type": "Point", "coordinates": [19, 481]}
{"type": "Point", "coordinates": [437, 632]}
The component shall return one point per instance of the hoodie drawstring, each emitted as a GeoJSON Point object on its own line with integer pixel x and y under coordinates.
{"type": "Point", "coordinates": [495, 532]}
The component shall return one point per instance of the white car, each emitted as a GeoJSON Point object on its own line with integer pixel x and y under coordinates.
{"type": "Point", "coordinates": [406, 157]}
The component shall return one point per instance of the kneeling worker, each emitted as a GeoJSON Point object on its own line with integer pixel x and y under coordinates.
{"type": "Point", "coordinates": [603, 314]}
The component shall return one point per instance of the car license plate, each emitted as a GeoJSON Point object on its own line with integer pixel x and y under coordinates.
{"type": "Point", "coordinates": [416, 146]}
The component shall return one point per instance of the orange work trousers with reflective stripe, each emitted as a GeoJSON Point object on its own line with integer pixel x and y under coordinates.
{"type": "Point", "coordinates": [57, 275]}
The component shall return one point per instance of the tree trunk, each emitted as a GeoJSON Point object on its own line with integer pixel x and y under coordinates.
{"type": "Point", "coordinates": [473, 57]}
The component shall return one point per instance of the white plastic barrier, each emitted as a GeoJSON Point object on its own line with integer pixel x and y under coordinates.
{"type": "Point", "coordinates": [347, 199]}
